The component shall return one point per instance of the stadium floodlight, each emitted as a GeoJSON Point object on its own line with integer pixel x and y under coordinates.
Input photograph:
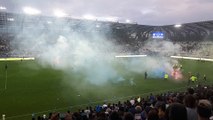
{"type": "Point", "coordinates": [31, 11]}
{"type": "Point", "coordinates": [89, 17]}
{"type": "Point", "coordinates": [127, 21]}
{"type": "Point", "coordinates": [177, 25]}
{"type": "Point", "coordinates": [59, 13]}
{"type": "Point", "coordinates": [2, 8]}
{"type": "Point", "coordinates": [10, 19]}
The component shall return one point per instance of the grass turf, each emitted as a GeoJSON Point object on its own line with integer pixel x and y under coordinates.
{"type": "Point", "coordinates": [32, 88]}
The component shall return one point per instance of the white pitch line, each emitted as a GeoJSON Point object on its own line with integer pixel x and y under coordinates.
{"type": "Point", "coordinates": [192, 58]}
{"type": "Point", "coordinates": [126, 56]}
{"type": "Point", "coordinates": [16, 59]}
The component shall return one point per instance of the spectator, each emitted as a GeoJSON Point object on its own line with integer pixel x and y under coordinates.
{"type": "Point", "coordinates": [162, 111]}
{"type": "Point", "coordinates": [128, 116]}
{"type": "Point", "coordinates": [68, 116]}
{"type": "Point", "coordinates": [102, 116]}
{"type": "Point", "coordinates": [204, 110]}
{"type": "Point", "coordinates": [55, 116]}
{"type": "Point", "coordinates": [145, 75]}
{"type": "Point", "coordinates": [104, 106]}
{"type": "Point", "coordinates": [138, 111]}
{"type": "Point", "coordinates": [153, 114]}
{"type": "Point", "coordinates": [176, 111]}
{"type": "Point", "coordinates": [76, 116]}
{"type": "Point", "coordinates": [114, 116]}
{"type": "Point", "coordinates": [144, 114]}
{"type": "Point", "coordinates": [190, 91]}
{"type": "Point", "coordinates": [190, 103]}
{"type": "Point", "coordinates": [204, 78]}
{"type": "Point", "coordinates": [151, 98]}
{"type": "Point", "coordinates": [132, 101]}
{"type": "Point", "coordinates": [39, 118]}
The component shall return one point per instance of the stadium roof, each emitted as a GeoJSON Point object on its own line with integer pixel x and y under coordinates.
{"type": "Point", "coordinates": [146, 12]}
{"type": "Point", "coordinates": [13, 23]}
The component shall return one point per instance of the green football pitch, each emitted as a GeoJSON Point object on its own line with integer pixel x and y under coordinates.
{"type": "Point", "coordinates": [26, 87]}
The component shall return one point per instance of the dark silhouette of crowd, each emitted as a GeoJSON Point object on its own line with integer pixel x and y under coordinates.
{"type": "Point", "coordinates": [192, 104]}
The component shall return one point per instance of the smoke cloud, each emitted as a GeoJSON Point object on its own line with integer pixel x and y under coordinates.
{"type": "Point", "coordinates": [87, 55]}
{"type": "Point", "coordinates": [162, 47]}
{"type": "Point", "coordinates": [158, 61]}
{"type": "Point", "coordinates": [92, 54]}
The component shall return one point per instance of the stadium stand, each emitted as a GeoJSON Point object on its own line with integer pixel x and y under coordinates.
{"type": "Point", "coordinates": [131, 37]}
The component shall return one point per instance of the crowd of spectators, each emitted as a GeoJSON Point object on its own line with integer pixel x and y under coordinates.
{"type": "Point", "coordinates": [7, 50]}
{"type": "Point", "coordinates": [125, 44]}
{"type": "Point", "coordinates": [193, 104]}
{"type": "Point", "coordinates": [4, 45]}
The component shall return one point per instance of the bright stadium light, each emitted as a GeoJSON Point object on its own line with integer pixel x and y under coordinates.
{"type": "Point", "coordinates": [59, 13]}
{"type": "Point", "coordinates": [2, 8]}
{"type": "Point", "coordinates": [10, 19]}
{"type": "Point", "coordinates": [31, 11]}
{"type": "Point", "coordinates": [177, 25]}
{"type": "Point", "coordinates": [127, 21]}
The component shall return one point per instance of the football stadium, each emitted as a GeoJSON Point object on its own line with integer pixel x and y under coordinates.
{"type": "Point", "coordinates": [69, 68]}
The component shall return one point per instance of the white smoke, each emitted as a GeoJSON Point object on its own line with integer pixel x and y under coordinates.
{"type": "Point", "coordinates": [156, 67]}
{"type": "Point", "coordinates": [158, 61]}
{"type": "Point", "coordinates": [162, 47]}
{"type": "Point", "coordinates": [92, 56]}
{"type": "Point", "coordinates": [203, 49]}
{"type": "Point", "coordinates": [72, 52]}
